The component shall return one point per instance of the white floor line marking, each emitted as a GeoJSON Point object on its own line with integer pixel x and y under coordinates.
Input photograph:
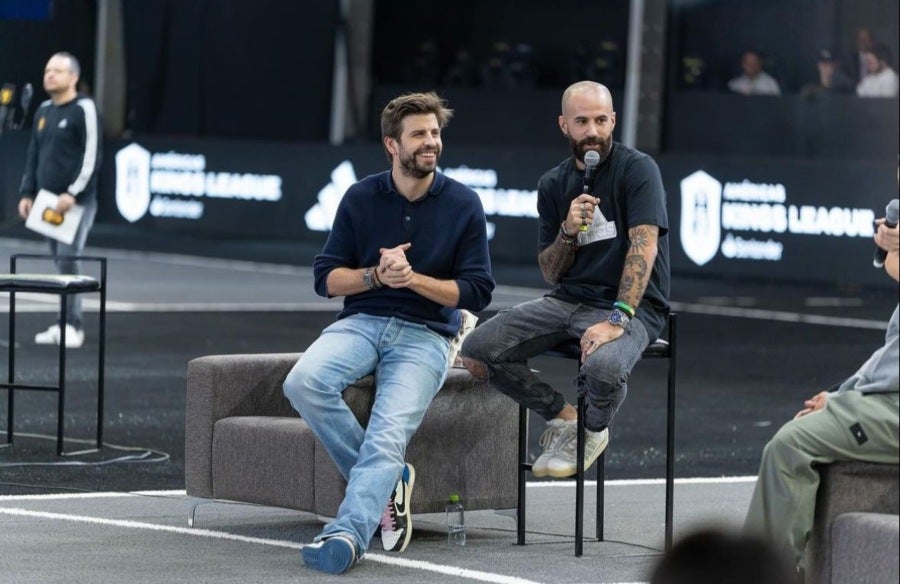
{"type": "Point", "coordinates": [116, 306]}
{"type": "Point", "coordinates": [777, 315]}
{"type": "Point", "coordinates": [530, 484]}
{"type": "Point", "coordinates": [97, 495]}
{"type": "Point", "coordinates": [394, 561]}
{"type": "Point", "coordinates": [644, 482]}
{"type": "Point", "coordinates": [92, 305]}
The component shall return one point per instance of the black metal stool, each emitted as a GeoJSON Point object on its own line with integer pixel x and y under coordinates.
{"type": "Point", "coordinates": [659, 349]}
{"type": "Point", "coordinates": [64, 286]}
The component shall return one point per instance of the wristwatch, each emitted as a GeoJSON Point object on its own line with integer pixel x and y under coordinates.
{"type": "Point", "coordinates": [618, 318]}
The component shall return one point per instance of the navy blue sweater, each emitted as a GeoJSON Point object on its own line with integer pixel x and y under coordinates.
{"type": "Point", "coordinates": [446, 228]}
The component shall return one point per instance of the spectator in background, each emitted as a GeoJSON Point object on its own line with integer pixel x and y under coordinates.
{"type": "Point", "coordinates": [716, 556]}
{"type": "Point", "coordinates": [856, 61]}
{"type": "Point", "coordinates": [881, 80]}
{"type": "Point", "coordinates": [832, 79]}
{"type": "Point", "coordinates": [462, 72]}
{"type": "Point", "coordinates": [754, 81]}
{"type": "Point", "coordinates": [495, 71]}
{"type": "Point", "coordinates": [423, 67]}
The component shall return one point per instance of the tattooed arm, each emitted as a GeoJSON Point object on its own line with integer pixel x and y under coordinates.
{"type": "Point", "coordinates": [638, 263]}
{"type": "Point", "coordinates": [635, 275]}
{"type": "Point", "coordinates": [556, 259]}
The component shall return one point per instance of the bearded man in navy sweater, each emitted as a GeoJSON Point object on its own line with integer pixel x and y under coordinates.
{"type": "Point", "coordinates": [407, 251]}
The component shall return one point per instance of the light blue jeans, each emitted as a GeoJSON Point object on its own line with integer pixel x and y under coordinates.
{"type": "Point", "coordinates": [410, 365]}
{"type": "Point", "coordinates": [70, 266]}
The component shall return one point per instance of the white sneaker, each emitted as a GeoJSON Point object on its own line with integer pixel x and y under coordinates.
{"type": "Point", "coordinates": [563, 463]}
{"type": "Point", "coordinates": [550, 442]}
{"type": "Point", "coordinates": [74, 337]}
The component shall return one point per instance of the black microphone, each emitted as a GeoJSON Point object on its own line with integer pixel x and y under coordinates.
{"type": "Point", "coordinates": [25, 99]}
{"type": "Point", "coordinates": [591, 160]}
{"type": "Point", "coordinates": [891, 215]}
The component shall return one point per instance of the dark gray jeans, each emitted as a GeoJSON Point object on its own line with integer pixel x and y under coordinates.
{"type": "Point", "coordinates": [505, 343]}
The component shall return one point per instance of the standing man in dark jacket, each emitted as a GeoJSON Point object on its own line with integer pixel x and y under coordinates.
{"type": "Point", "coordinates": [63, 158]}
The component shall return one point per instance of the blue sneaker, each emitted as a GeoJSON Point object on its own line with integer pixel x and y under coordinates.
{"type": "Point", "coordinates": [396, 523]}
{"type": "Point", "coordinates": [334, 555]}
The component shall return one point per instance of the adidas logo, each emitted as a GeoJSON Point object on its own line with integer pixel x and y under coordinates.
{"type": "Point", "coordinates": [320, 216]}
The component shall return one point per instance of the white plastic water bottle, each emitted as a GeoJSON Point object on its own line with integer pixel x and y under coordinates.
{"type": "Point", "coordinates": [456, 522]}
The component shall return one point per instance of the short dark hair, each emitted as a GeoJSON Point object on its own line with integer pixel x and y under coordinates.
{"type": "Point", "coordinates": [412, 104]}
{"type": "Point", "coordinates": [882, 53]}
{"type": "Point", "coordinates": [74, 65]}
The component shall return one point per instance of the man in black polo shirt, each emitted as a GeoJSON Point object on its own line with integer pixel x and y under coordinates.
{"type": "Point", "coordinates": [63, 158]}
{"type": "Point", "coordinates": [606, 252]}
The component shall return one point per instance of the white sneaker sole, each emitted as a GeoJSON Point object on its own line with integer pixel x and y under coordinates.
{"type": "Point", "coordinates": [561, 471]}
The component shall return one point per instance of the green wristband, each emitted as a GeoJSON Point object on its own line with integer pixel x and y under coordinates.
{"type": "Point", "coordinates": [623, 306]}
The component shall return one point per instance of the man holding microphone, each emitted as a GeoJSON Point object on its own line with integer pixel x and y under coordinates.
{"type": "Point", "coordinates": [605, 249]}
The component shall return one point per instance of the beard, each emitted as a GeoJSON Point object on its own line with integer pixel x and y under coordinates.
{"type": "Point", "coordinates": [413, 169]}
{"type": "Point", "coordinates": [599, 144]}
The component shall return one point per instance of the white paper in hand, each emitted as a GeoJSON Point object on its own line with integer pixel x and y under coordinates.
{"type": "Point", "coordinates": [45, 220]}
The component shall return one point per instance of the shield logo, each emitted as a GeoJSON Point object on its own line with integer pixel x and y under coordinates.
{"type": "Point", "coordinates": [133, 182]}
{"type": "Point", "coordinates": [701, 225]}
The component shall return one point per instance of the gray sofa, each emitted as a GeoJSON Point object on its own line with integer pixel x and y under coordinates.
{"type": "Point", "coordinates": [845, 536]}
{"type": "Point", "coordinates": [244, 442]}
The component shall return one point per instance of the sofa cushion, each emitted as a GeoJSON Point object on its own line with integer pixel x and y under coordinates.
{"type": "Point", "coordinates": [865, 547]}
{"type": "Point", "coordinates": [265, 460]}
{"type": "Point", "coordinates": [845, 487]}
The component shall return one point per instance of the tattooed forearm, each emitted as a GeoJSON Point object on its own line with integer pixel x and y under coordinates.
{"type": "Point", "coordinates": [638, 263]}
{"type": "Point", "coordinates": [556, 260]}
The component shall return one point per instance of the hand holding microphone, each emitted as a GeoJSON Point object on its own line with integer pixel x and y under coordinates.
{"type": "Point", "coordinates": [591, 160]}
{"type": "Point", "coordinates": [887, 240]}
{"type": "Point", "coordinates": [581, 211]}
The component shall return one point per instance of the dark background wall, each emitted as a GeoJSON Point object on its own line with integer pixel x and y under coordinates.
{"type": "Point", "coordinates": [230, 68]}
{"type": "Point", "coordinates": [555, 31]}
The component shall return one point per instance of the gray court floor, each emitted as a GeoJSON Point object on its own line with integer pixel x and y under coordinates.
{"type": "Point", "coordinates": [143, 537]}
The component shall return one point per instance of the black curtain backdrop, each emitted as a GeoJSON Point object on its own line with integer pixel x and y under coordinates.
{"type": "Point", "coordinates": [230, 68]}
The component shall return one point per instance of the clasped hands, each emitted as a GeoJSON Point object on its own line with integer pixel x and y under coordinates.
{"type": "Point", "coordinates": [393, 269]}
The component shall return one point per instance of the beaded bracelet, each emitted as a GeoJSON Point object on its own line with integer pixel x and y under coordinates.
{"type": "Point", "coordinates": [623, 306]}
{"type": "Point", "coordinates": [569, 240]}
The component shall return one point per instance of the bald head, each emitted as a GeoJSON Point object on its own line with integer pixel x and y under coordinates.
{"type": "Point", "coordinates": [587, 119]}
{"type": "Point", "coordinates": [589, 89]}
